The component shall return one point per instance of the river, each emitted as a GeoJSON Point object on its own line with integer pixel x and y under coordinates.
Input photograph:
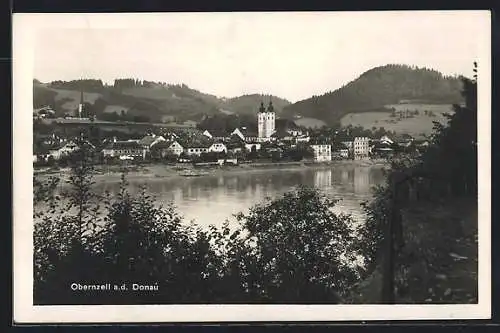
{"type": "Point", "coordinates": [213, 199]}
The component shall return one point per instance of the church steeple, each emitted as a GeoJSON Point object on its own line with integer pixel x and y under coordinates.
{"type": "Point", "coordinates": [80, 106]}
{"type": "Point", "coordinates": [262, 109]}
{"type": "Point", "coordinates": [270, 107]}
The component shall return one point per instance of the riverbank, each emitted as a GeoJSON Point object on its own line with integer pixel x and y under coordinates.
{"type": "Point", "coordinates": [111, 173]}
{"type": "Point", "coordinates": [439, 262]}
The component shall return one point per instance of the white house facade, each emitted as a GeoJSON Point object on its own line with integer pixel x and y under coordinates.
{"type": "Point", "coordinates": [124, 148]}
{"type": "Point", "coordinates": [253, 146]}
{"type": "Point", "coordinates": [322, 153]}
{"type": "Point", "coordinates": [218, 147]}
{"type": "Point", "coordinates": [361, 147]}
{"type": "Point", "coordinates": [196, 150]}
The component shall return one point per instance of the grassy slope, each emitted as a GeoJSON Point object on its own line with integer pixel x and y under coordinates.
{"type": "Point", "coordinates": [433, 231]}
{"type": "Point", "coordinates": [310, 122]}
{"type": "Point", "coordinates": [415, 126]}
{"type": "Point", "coordinates": [378, 87]}
{"type": "Point", "coordinates": [155, 101]}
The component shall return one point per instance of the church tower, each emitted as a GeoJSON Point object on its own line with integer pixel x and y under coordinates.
{"type": "Point", "coordinates": [271, 121]}
{"type": "Point", "coordinates": [266, 121]}
{"type": "Point", "coordinates": [80, 106]}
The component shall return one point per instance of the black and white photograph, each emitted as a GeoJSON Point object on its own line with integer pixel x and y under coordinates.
{"type": "Point", "coordinates": [240, 166]}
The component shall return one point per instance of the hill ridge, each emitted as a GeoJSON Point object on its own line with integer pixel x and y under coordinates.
{"type": "Point", "coordinates": [377, 87]}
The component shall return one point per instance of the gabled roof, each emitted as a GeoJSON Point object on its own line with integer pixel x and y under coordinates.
{"type": "Point", "coordinates": [72, 142]}
{"type": "Point", "coordinates": [248, 131]}
{"type": "Point", "coordinates": [165, 144]}
{"type": "Point", "coordinates": [123, 145]}
{"type": "Point", "coordinates": [148, 140]}
{"type": "Point", "coordinates": [379, 145]}
{"type": "Point", "coordinates": [197, 145]}
{"type": "Point", "coordinates": [196, 142]}
{"type": "Point", "coordinates": [218, 133]}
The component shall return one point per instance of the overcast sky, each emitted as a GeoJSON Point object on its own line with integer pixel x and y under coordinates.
{"type": "Point", "coordinates": [291, 55]}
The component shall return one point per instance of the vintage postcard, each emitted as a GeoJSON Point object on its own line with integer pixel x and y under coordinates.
{"type": "Point", "coordinates": [284, 166]}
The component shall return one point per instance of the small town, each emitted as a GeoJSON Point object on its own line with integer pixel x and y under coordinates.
{"type": "Point", "coordinates": [270, 140]}
{"type": "Point", "coordinates": [251, 168]}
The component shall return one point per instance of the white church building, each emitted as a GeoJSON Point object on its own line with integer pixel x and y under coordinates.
{"type": "Point", "coordinates": [266, 122]}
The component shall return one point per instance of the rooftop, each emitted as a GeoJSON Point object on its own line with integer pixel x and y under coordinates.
{"type": "Point", "coordinates": [123, 145]}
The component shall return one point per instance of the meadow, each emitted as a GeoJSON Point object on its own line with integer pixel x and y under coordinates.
{"type": "Point", "coordinates": [72, 97]}
{"type": "Point", "coordinates": [115, 108]}
{"type": "Point", "coordinates": [159, 93]}
{"type": "Point", "coordinates": [310, 122]}
{"type": "Point", "coordinates": [417, 125]}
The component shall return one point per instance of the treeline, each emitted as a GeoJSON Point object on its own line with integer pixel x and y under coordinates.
{"type": "Point", "coordinates": [221, 123]}
{"type": "Point", "coordinates": [128, 83]}
{"type": "Point", "coordinates": [249, 104]}
{"type": "Point", "coordinates": [134, 83]}
{"type": "Point", "coordinates": [43, 97]}
{"type": "Point", "coordinates": [124, 116]}
{"type": "Point", "coordinates": [84, 84]}
{"type": "Point", "coordinates": [446, 170]}
{"type": "Point", "coordinates": [293, 249]}
{"type": "Point", "coordinates": [378, 87]}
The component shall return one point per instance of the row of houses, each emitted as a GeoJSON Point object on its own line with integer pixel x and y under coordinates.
{"type": "Point", "coordinates": [284, 133]}
{"type": "Point", "coordinates": [364, 148]}
{"type": "Point", "coordinates": [237, 141]}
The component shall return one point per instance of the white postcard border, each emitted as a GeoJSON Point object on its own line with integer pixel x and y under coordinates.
{"type": "Point", "coordinates": [24, 29]}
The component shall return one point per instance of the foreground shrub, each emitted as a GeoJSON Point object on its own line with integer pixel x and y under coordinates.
{"type": "Point", "coordinates": [291, 250]}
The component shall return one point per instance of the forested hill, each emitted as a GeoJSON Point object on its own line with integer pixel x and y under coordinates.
{"type": "Point", "coordinates": [380, 86]}
{"type": "Point", "coordinates": [156, 101]}
{"type": "Point", "coordinates": [247, 104]}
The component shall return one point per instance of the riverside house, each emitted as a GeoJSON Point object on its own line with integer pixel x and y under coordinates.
{"type": "Point", "coordinates": [361, 148]}
{"type": "Point", "coordinates": [150, 140]}
{"type": "Point", "coordinates": [59, 152]}
{"type": "Point", "coordinates": [218, 147]}
{"type": "Point", "coordinates": [197, 148]}
{"type": "Point", "coordinates": [122, 149]}
{"type": "Point", "coordinates": [164, 148]}
{"type": "Point", "coordinates": [322, 152]}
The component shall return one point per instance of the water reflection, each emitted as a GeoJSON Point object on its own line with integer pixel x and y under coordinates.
{"type": "Point", "coordinates": [361, 180]}
{"type": "Point", "coordinates": [323, 178]}
{"type": "Point", "coordinates": [214, 198]}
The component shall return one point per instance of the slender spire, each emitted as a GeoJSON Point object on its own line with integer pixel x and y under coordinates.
{"type": "Point", "coordinates": [270, 107]}
{"type": "Point", "coordinates": [80, 106]}
{"type": "Point", "coordinates": [262, 108]}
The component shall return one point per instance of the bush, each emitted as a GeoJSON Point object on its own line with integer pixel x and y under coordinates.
{"type": "Point", "coordinates": [293, 249]}
{"type": "Point", "coordinates": [301, 251]}
{"type": "Point", "coordinates": [447, 169]}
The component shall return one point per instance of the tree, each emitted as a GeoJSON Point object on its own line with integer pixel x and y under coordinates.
{"type": "Point", "coordinates": [297, 249]}
{"type": "Point", "coordinates": [65, 233]}
{"type": "Point", "coordinates": [450, 168]}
